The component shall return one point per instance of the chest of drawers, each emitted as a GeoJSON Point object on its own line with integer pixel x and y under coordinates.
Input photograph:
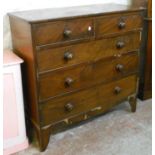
{"type": "Point", "coordinates": [79, 62]}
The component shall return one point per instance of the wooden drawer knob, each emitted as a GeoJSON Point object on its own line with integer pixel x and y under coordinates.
{"type": "Point", "coordinates": [121, 25]}
{"type": "Point", "coordinates": [117, 90]}
{"type": "Point", "coordinates": [119, 67]}
{"type": "Point", "coordinates": [67, 33]}
{"type": "Point", "coordinates": [120, 44]}
{"type": "Point", "coordinates": [69, 81]}
{"type": "Point", "coordinates": [69, 107]}
{"type": "Point", "coordinates": [68, 56]}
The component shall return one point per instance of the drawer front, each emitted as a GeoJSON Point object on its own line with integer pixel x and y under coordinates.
{"type": "Point", "coordinates": [99, 96]}
{"type": "Point", "coordinates": [73, 78]}
{"type": "Point", "coordinates": [49, 59]}
{"type": "Point", "coordinates": [117, 24]}
{"type": "Point", "coordinates": [61, 31]}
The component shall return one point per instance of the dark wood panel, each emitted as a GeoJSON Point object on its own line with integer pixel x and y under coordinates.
{"type": "Point", "coordinates": [117, 24]}
{"type": "Point", "coordinates": [148, 67]}
{"type": "Point", "coordinates": [145, 87]}
{"type": "Point", "coordinates": [149, 9]}
{"type": "Point", "coordinates": [83, 101]}
{"type": "Point", "coordinates": [53, 58]}
{"type": "Point", "coordinates": [73, 78]}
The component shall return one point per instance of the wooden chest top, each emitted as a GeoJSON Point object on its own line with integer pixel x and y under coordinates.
{"type": "Point", "coordinates": [44, 15]}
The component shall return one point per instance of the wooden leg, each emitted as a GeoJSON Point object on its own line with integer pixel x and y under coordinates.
{"type": "Point", "coordinates": [133, 103]}
{"type": "Point", "coordinates": [43, 138]}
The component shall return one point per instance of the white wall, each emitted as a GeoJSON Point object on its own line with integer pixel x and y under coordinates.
{"type": "Point", "coordinates": [19, 5]}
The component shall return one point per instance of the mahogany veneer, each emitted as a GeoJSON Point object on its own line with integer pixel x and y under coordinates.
{"type": "Point", "coordinates": [79, 62]}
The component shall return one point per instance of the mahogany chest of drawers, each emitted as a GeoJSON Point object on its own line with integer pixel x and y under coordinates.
{"type": "Point", "coordinates": [79, 62]}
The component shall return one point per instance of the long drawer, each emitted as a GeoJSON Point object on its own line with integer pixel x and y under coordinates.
{"type": "Point", "coordinates": [103, 96]}
{"type": "Point", "coordinates": [49, 59]}
{"type": "Point", "coordinates": [115, 24]}
{"type": "Point", "coordinates": [73, 78]}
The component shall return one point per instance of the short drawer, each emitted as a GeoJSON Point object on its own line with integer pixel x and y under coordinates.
{"type": "Point", "coordinates": [61, 31]}
{"type": "Point", "coordinates": [117, 24]}
{"type": "Point", "coordinates": [103, 96]}
{"type": "Point", "coordinates": [73, 78]}
{"type": "Point", "coordinates": [49, 59]}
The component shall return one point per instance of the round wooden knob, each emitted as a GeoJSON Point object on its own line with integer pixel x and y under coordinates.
{"type": "Point", "coordinates": [69, 81]}
{"type": "Point", "coordinates": [69, 107]}
{"type": "Point", "coordinates": [120, 44]}
{"type": "Point", "coordinates": [117, 90]}
{"type": "Point", "coordinates": [119, 67]}
{"type": "Point", "coordinates": [67, 33]}
{"type": "Point", "coordinates": [68, 56]}
{"type": "Point", "coordinates": [121, 25]}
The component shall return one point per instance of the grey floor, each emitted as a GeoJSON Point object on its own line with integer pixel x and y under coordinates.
{"type": "Point", "coordinates": [118, 132]}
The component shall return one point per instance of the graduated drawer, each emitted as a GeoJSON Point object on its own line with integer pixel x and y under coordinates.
{"type": "Point", "coordinates": [49, 59]}
{"type": "Point", "coordinates": [73, 78]}
{"type": "Point", "coordinates": [103, 96]}
{"type": "Point", "coordinates": [61, 31]}
{"type": "Point", "coordinates": [117, 24]}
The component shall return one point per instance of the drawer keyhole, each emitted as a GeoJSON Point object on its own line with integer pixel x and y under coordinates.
{"type": "Point", "coordinates": [89, 28]}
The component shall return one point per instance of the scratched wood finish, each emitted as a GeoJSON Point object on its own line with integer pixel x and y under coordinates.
{"type": "Point", "coordinates": [85, 75]}
{"type": "Point", "coordinates": [95, 96]}
{"type": "Point", "coordinates": [53, 58]}
{"type": "Point", "coordinates": [71, 55]}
